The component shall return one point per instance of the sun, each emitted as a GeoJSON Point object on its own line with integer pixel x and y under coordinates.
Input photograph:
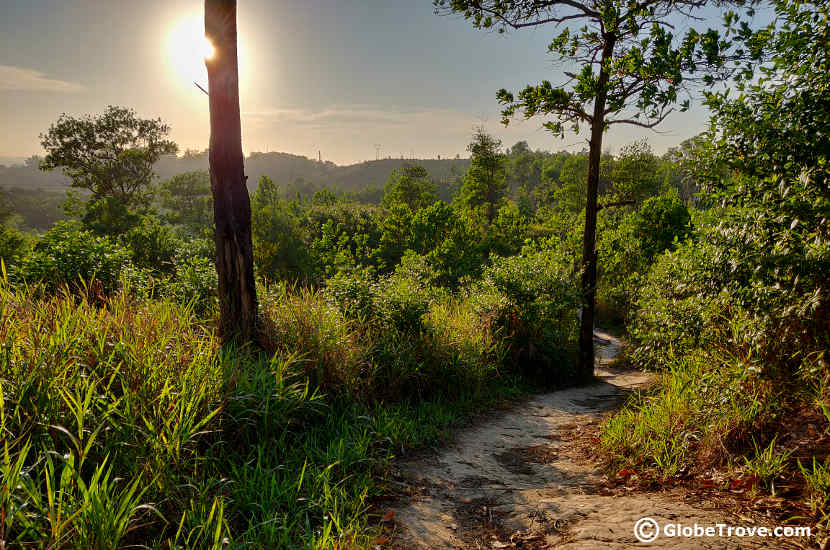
{"type": "Point", "coordinates": [187, 49]}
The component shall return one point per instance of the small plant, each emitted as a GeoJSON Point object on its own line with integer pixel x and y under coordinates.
{"type": "Point", "coordinates": [193, 283]}
{"type": "Point", "coordinates": [152, 245]}
{"type": "Point", "coordinates": [768, 464]}
{"type": "Point", "coordinates": [818, 482]}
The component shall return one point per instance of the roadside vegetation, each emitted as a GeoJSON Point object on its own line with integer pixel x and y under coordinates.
{"type": "Point", "coordinates": [388, 315]}
{"type": "Point", "coordinates": [382, 326]}
{"type": "Point", "coordinates": [735, 319]}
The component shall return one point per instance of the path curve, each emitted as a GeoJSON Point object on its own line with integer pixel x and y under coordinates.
{"type": "Point", "coordinates": [511, 482]}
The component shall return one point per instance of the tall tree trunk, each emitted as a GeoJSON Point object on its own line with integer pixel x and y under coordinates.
{"type": "Point", "coordinates": [231, 203]}
{"type": "Point", "coordinates": [589, 254]}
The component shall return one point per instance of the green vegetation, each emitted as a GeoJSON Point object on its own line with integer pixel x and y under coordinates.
{"type": "Point", "coordinates": [127, 422]}
{"type": "Point", "coordinates": [118, 174]}
{"type": "Point", "coordinates": [736, 316]}
{"type": "Point", "coordinates": [387, 313]}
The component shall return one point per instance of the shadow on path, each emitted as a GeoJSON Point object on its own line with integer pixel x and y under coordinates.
{"type": "Point", "coordinates": [509, 483]}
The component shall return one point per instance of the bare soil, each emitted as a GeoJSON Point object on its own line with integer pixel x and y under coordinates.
{"type": "Point", "coordinates": [515, 480]}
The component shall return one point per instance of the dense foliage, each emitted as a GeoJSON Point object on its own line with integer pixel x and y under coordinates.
{"type": "Point", "coordinates": [386, 312]}
{"type": "Point", "coordinates": [126, 421]}
{"type": "Point", "coordinates": [738, 314]}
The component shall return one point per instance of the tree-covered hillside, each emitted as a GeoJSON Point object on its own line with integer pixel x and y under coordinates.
{"type": "Point", "coordinates": [296, 173]}
{"type": "Point", "coordinates": [201, 353]}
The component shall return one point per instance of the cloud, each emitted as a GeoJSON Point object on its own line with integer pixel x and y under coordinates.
{"type": "Point", "coordinates": [337, 116]}
{"type": "Point", "coordinates": [17, 79]}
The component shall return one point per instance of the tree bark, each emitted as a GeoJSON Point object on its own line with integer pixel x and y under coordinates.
{"type": "Point", "coordinates": [589, 254]}
{"type": "Point", "coordinates": [231, 203]}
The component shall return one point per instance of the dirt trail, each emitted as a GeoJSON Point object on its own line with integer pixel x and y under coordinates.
{"type": "Point", "coordinates": [512, 482]}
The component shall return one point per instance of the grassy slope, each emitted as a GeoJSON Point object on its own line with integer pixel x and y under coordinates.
{"type": "Point", "coordinates": [716, 425]}
{"type": "Point", "coordinates": [126, 422]}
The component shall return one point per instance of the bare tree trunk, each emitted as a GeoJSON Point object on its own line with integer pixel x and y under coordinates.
{"type": "Point", "coordinates": [589, 254]}
{"type": "Point", "coordinates": [231, 203]}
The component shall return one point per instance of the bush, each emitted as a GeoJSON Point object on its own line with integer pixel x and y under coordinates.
{"type": "Point", "coordinates": [67, 255]}
{"type": "Point", "coordinates": [420, 341]}
{"type": "Point", "coordinates": [152, 245]}
{"type": "Point", "coordinates": [194, 282]}
{"type": "Point", "coordinates": [12, 244]}
{"type": "Point", "coordinates": [672, 310]}
{"type": "Point", "coordinates": [735, 268]}
{"type": "Point", "coordinates": [628, 245]}
{"type": "Point", "coordinates": [659, 222]}
{"type": "Point", "coordinates": [353, 294]}
{"type": "Point", "coordinates": [398, 301]}
{"type": "Point", "coordinates": [401, 302]}
{"type": "Point", "coordinates": [532, 301]}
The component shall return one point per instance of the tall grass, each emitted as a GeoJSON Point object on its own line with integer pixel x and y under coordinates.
{"type": "Point", "coordinates": [695, 413]}
{"type": "Point", "coordinates": [125, 422]}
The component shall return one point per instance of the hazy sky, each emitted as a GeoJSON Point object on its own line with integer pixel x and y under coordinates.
{"type": "Point", "coordinates": [339, 76]}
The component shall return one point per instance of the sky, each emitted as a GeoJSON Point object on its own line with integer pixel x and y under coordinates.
{"type": "Point", "coordinates": [347, 78]}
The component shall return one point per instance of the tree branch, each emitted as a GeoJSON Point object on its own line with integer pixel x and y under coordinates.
{"type": "Point", "coordinates": [513, 22]}
{"type": "Point", "coordinates": [641, 124]}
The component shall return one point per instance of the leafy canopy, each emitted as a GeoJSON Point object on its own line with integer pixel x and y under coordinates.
{"type": "Point", "coordinates": [626, 52]}
{"type": "Point", "coordinates": [111, 155]}
{"type": "Point", "coordinates": [485, 183]}
{"type": "Point", "coordinates": [411, 185]}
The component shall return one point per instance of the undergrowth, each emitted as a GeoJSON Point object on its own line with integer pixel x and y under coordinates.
{"type": "Point", "coordinates": [125, 422]}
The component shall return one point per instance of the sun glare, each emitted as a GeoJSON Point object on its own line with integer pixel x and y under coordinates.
{"type": "Point", "coordinates": [187, 49]}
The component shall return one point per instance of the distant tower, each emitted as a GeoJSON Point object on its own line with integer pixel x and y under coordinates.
{"type": "Point", "coordinates": [319, 156]}
{"type": "Point", "coordinates": [377, 151]}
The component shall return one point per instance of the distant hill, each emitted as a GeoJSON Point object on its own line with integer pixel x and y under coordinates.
{"type": "Point", "coordinates": [290, 172]}
{"type": "Point", "coordinates": [28, 176]}
{"type": "Point", "coordinates": [287, 170]}
{"type": "Point", "coordinates": [9, 161]}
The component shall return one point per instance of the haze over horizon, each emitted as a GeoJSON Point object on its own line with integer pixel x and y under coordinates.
{"type": "Point", "coordinates": [358, 76]}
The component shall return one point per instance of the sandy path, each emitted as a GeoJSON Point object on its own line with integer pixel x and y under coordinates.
{"type": "Point", "coordinates": [503, 483]}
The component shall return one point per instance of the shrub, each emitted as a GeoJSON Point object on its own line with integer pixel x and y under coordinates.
{"type": "Point", "coordinates": [152, 245]}
{"type": "Point", "coordinates": [353, 294]}
{"type": "Point", "coordinates": [628, 245]}
{"type": "Point", "coordinates": [418, 341]}
{"type": "Point", "coordinates": [68, 255]}
{"type": "Point", "coordinates": [13, 245]}
{"type": "Point", "coordinates": [194, 282]}
{"type": "Point", "coordinates": [735, 268]}
{"type": "Point", "coordinates": [401, 302]}
{"type": "Point", "coordinates": [532, 300]}
{"type": "Point", "coordinates": [659, 222]}
{"type": "Point", "coordinates": [673, 310]}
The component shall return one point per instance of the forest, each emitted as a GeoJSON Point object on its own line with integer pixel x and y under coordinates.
{"type": "Point", "coordinates": [397, 300]}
